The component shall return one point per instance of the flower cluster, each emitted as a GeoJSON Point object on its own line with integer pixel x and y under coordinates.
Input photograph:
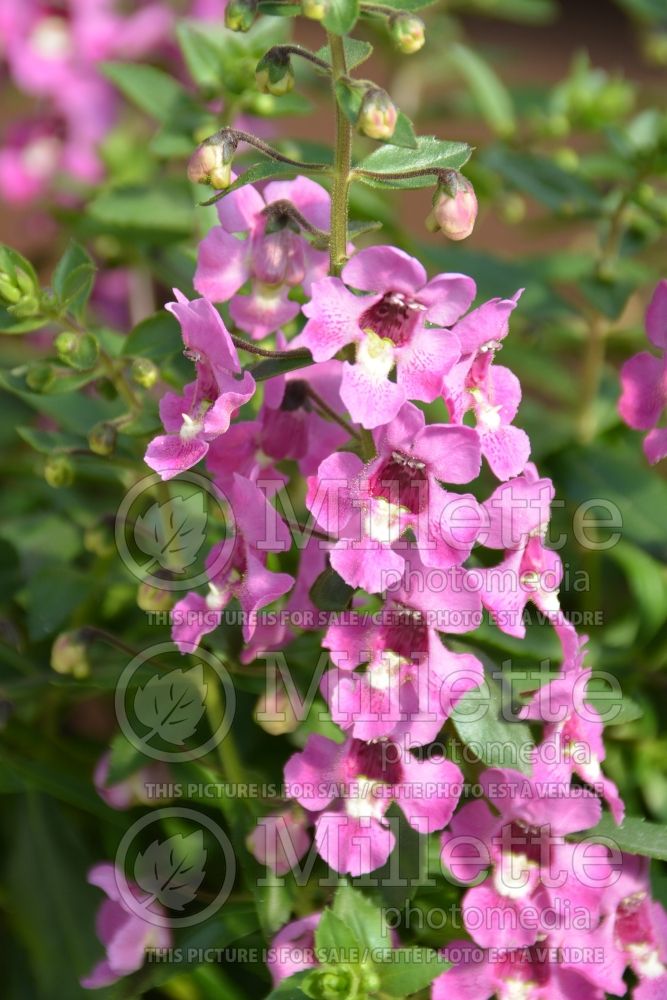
{"type": "Point", "coordinates": [388, 520]}
{"type": "Point", "coordinates": [644, 381]}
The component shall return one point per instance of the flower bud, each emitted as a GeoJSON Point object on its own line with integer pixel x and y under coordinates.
{"type": "Point", "coordinates": [275, 713]}
{"type": "Point", "coordinates": [102, 439]}
{"type": "Point", "coordinates": [332, 983]}
{"type": "Point", "coordinates": [211, 162]}
{"type": "Point", "coordinates": [144, 372]}
{"type": "Point", "coordinates": [454, 207]}
{"type": "Point", "coordinates": [377, 115]}
{"type": "Point", "coordinates": [240, 14]}
{"type": "Point", "coordinates": [274, 73]}
{"type": "Point", "coordinates": [316, 10]}
{"type": "Point", "coordinates": [59, 471]}
{"type": "Point", "coordinates": [407, 33]}
{"type": "Point", "coordinates": [99, 539]}
{"type": "Point", "coordinates": [19, 291]}
{"type": "Point", "coordinates": [150, 598]}
{"type": "Point", "coordinates": [40, 376]}
{"type": "Point", "coordinates": [78, 350]}
{"type": "Point", "coordinates": [69, 655]}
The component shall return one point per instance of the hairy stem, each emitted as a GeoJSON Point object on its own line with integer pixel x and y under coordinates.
{"type": "Point", "coordinates": [342, 164]}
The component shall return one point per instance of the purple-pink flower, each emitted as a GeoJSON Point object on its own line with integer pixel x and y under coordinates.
{"type": "Point", "coordinates": [644, 381]}
{"type": "Point", "coordinates": [387, 330]}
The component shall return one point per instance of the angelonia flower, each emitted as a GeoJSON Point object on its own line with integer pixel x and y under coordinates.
{"type": "Point", "coordinates": [125, 934]}
{"type": "Point", "coordinates": [454, 207]}
{"type": "Point", "coordinates": [133, 790]}
{"type": "Point", "coordinates": [400, 523]}
{"type": "Point", "coordinates": [644, 381]}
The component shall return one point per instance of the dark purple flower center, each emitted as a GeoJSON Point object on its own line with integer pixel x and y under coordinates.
{"type": "Point", "coordinates": [529, 965]}
{"type": "Point", "coordinates": [395, 317]}
{"type": "Point", "coordinates": [521, 839]}
{"type": "Point", "coordinates": [633, 920]}
{"type": "Point", "coordinates": [406, 635]}
{"type": "Point", "coordinates": [403, 481]}
{"type": "Point", "coordinates": [376, 761]}
{"type": "Point", "coordinates": [296, 396]}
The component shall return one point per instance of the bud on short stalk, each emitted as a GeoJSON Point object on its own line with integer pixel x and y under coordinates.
{"type": "Point", "coordinates": [275, 714]}
{"type": "Point", "coordinates": [316, 10]}
{"type": "Point", "coordinates": [102, 439]}
{"type": "Point", "coordinates": [150, 598]}
{"type": "Point", "coordinates": [274, 73]}
{"type": "Point", "coordinates": [78, 350]}
{"type": "Point", "coordinates": [59, 471]}
{"type": "Point", "coordinates": [211, 162]}
{"type": "Point", "coordinates": [240, 14]}
{"type": "Point", "coordinates": [40, 376]}
{"type": "Point", "coordinates": [69, 655]}
{"type": "Point", "coordinates": [454, 207]}
{"type": "Point", "coordinates": [377, 115]}
{"type": "Point", "coordinates": [407, 33]}
{"type": "Point", "coordinates": [144, 372]}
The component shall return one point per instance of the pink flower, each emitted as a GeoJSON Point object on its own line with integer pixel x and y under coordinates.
{"type": "Point", "coordinates": [351, 785]}
{"type": "Point", "coordinates": [205, 409]}
{"type": "Point", "coordinates": [274, 262]}
{"type": "Point", "coordinates": [411, 681]}
{"type": "Point", "coordinates": [370, 507]}
{"type": "Point", "coordinates": [388, 330]}
{"type": "Point", "coordinates": [131, 791]}
{"type": "Point", "coordinates": [491, 391]}
{"type": "Point", "coordinates": [644, 381]}
{"type": "Point", "coordinates": [532, 867]}
{"type": "Point", "coordinates": [125, 935]}
{"type": "Point", "coordinates": [237, 570]}
{"type": "Point", "coordinates": [280, 841]}
{"type": "Point", "coordinates": [293, 948]}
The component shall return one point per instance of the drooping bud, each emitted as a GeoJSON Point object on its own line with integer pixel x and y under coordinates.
{"type": "Point", "coordinates": [316, 10]}
{"type": "Point", "coordinates": [69, 655]}
{"type": "Point", "coordinates": [211, 162]}
{"type": "Point", "coordinates": [377, 115]}
{"type": "Point", "coordinates": [240, 14]}
{"type": "Point", "coordinates": [144, 372]}
{"type": "Point", "coordinates": [274, 73]}
{"type": "Point", "coordinates": [58, 471]}
{"type": "Point", "coordinates": [454, 207]}
{"type": "Point", "coordinates": [407, 33]}
{"type": "Point", "coordinates": [40, 376]}
{"type": "Point", "coordinates": [102, 439]}
{"type": "Point", "coordinates": [78, 350]}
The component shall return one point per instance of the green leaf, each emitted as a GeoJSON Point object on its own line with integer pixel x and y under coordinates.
{"type": "Point", "coordinates": [362, 916]}
{"type": "Point", "coordinates": [349, 99]}
{"type": "Point", "coordinates": [341, 16]}
{"type": "Point", "coordinates": [288, 989]}
{"type": "Point", "coordinates": [124, 759]}
{"type": "Point", "coordinates": [408, 4]}
{"type": "Point", "coordinates": [648, 581]}
{"type": "Point", "coordinates": [490, 94]}
{"type": "Point", "coordinates": [431, 153]}
{"type": "Point", "coordinates": [404, 133]}
{"type": "Point", "coordinates": [479, 722]}
{"type": "Point", "coordinates": [51, 595]}
{"type": "Point", "coordinates": [543, 180]}
{"type": "Point", "coordinates": [356, 52]}
{"type": "Point", "coordinates": [270, 367]}
{"type": "Point", "coordinates": [633, 836]}
{"type": "Point", "coordinates": [10, 324]}
{"type": "Point", "coordinates": [157, 337]}
{"type": "Point", "coordinates": [73, 279]}
{"type": "Point", "coordinates": [338, 940]}
{"type": "Point", "coordinates": [202, 56]}
{"type": "Point", "coordinates": [410, 970]}
{"type": "Point", "coordinates": [151, 89]}
{"type": "Point", "coordinates": [50, 442]}
{"type": "Point", "coordinates": [330, 592]}
{"type": "Point", "coordinates": [161, 211]}
{"type": "Point", "coordinates": [259, 172]}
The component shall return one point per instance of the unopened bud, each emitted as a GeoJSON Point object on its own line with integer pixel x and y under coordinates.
{"type": "Point", "coordinates": [274, 73]}
{"type": "Point", "coordinates": [275, 713]}
{"type": "Point", "coordinates": [102, 439]}
{"type": "Point", "coordinates": [316, 10]}
{"type": "Point", "coordinates": [99, 539]}
{"type": "Point", "coordinates": [407, 32]}
{"type": "Point", "coordinates": [211, 162]}
{"type": "Point", "coordinates": [69, 655]}
{"type": "Point", "coordinates": [40, 376]}
{"type": "Point", "coordinates": [454, 207]}
{"type": "Point", "coordinates": [19, 291]}
{"type": "Point", "coordinates": [144, 372]}
{"type": "Point", "coordinates": [240, 14]}
{"type": "Point", "coordinates": [78, 350]}
{"type": "Point", "coordinates": [377, 115]}
{"type": "Point", "coordinates": [59, 471]}
{"type": "Point", "coordinates": [150, 598]}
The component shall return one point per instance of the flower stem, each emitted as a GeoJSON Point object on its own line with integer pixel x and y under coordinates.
{"type": "Point", "coordinates": [327, 411]}
{"type": "Point", "coordinates": [342, 164]}
{"type": "Point", "coordinates": [263, 352]}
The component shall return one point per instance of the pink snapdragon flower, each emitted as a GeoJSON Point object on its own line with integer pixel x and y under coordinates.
{"type": "Point", "coordinates": [411, 680]}
{"type": "Point", "coordinates": [369, 507]}
{"type": "Point", "coordinates": [280, 840]}
{"type": "Point", "coordinates": [293, 948]}
{"type": "Point", "coordinates": [532, 973]}
{"type": "Point", "coordinates": [207, 405]}
{"type": "Point", "coordinates": [351, 785]}
{"type": "Point", "coordinates": [274, 258]}
{"type": "Point", "coordinates": [130, 791]}
{"type": "Point", "coordinates": [644, 381]}
{"type": "Point", "coordinates": [491, 391]}
{"type": "Point", "coordinates": [237, 570]}
{"type": "Point", "coordinates": [125, 935]}
{"type": "Point", "coordinates": [388, 330]}
{"type": "Point", "coordinates": [532, 867]}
